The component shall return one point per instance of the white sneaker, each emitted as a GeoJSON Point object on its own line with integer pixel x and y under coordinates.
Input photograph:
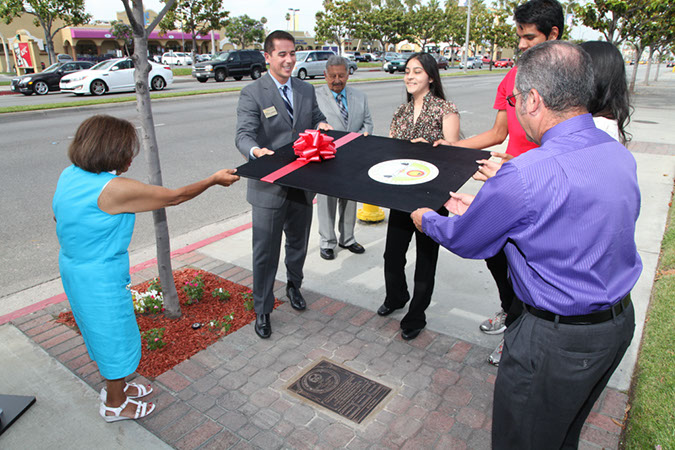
{"type": "Point", "coordinates": [496, 356]}
{"type": "Point", "coordinates": [495, 325]}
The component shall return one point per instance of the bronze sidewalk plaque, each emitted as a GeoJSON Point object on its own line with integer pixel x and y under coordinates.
{"type": "Point", "coordinates": [340, 390]}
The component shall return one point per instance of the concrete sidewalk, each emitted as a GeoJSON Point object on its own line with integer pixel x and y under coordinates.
{"type": "Point", "coordinates": [232, 395]}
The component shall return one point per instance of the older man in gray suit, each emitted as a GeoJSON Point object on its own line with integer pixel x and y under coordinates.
{"type": "Point", "coordinates": [346, 109]}
{"type": "Point", "coordinates": [271, 113]}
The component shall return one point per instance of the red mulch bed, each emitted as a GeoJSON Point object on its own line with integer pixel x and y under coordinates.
{"type": "Point", "coordinates": [182, 341]}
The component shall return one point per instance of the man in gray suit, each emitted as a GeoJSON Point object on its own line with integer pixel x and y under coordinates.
{"type": "Point", "coordinates": [346, 109]}
{"type": "Point", "coordinates": [271, 113]}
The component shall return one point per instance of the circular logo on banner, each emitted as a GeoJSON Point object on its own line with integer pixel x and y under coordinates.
{"type": "Point", "coordinates": [403, 172]}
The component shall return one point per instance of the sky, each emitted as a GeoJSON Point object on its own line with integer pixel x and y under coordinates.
{"type": "Point", "coordinates": [274, 10]}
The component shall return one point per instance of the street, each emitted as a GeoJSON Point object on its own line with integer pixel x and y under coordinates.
{"type": "Point", "coordinates": [196, 137]}
{"type": "Point", "coordinates": [186, 84]}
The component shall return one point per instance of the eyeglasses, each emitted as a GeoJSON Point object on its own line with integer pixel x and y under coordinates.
{"type": "Point", "coordinates": [511, 99]}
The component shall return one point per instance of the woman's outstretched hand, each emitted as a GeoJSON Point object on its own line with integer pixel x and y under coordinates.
{"type": "Point", "coordinates": [458, 203]}
{"type": "Point", "coordinates": [225, 177]}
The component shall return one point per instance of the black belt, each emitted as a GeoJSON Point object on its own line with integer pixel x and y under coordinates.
{"type": "Point", "coordinates": [585, 319]}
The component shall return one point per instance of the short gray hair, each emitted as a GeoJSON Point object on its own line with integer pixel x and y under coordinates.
{"type": "Point", "coordinates": [336, 60]}
{"type": "Point", "coordinates": [561, 72]}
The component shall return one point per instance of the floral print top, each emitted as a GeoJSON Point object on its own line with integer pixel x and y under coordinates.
{"type": "Point", "coordinates": [429, 124]}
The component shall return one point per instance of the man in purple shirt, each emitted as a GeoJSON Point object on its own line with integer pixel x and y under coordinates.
{"type": "Point", "coordinates": [565, 213]}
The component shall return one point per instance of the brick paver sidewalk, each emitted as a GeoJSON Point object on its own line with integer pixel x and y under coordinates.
{"type": "Point", "coordinates": [233, 394]}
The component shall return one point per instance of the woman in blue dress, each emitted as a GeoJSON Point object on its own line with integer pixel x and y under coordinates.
{"type": "Point", "coordinates": [94, 210]}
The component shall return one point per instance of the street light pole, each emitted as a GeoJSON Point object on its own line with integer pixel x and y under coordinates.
{"type": "Point", "coordinates": [466, 43]}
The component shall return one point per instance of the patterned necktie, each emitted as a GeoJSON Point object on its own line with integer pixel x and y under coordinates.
{"type": "Point", "coordinates": [287, 102]}
{"type": "Point", "coordinates": [343, 109]}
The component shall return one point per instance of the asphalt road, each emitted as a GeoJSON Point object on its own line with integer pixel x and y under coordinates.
{"type": "Point", "coordinates": [196, 137]}
{"type": "Point", "coordinates": [181, 84]}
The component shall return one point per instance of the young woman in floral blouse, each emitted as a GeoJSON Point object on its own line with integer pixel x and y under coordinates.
{"type": "Point", "coordinates": [426, 117]}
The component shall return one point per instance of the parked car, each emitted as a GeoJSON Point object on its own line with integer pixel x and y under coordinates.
{"type": "Point", "coordinates": [236, 64]}
{"type": "Point", "coordinates": [177, 58]}
{"type": "Point", "coordinates": [486, 60]}
{"type": "Point", "coordinates": [204, 57]}
{"type": "Point", "coordinates": [312, 63]}
{"type": "Point", "coordinates": [372, 56]}
{"type": "Point", "coordinates": [352, 67]}
{"type": "Point", "coordinates": [670, 63]}
{"type": "Point", "coordinates": [394, 63]}
{"type": "Point", "coordinates": [504, 62]}
{"type": "Point", "coordinates": [114, 75]}
{"type": "Point", "coordinates": [441, 61]}
{"type": "Point", "coordinates": [47, 80]}
{"type": "Point", "coordinates": [62, 57]}
{"type": "Point", "coordinates": [472, 63]}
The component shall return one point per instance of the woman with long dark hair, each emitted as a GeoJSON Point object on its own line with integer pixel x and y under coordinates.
{"type": "Point", "coordinates": [610, 105]}
{"type": "Point", "coordinates": [426, 117]}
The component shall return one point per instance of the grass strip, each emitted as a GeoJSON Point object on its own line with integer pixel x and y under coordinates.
{"type": "Point", "coordinates": [651, 419]}
{"type": "Point", "coordinates": [131, 98]}
{"type": "Point", "coordinates": [103, 101]}
{"type": "Point", "coordinates": [5, 83]}
{"type": "Point", "coordinates": [178, 72]}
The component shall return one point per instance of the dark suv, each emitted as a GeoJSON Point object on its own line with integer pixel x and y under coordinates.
{"type": "Point", "coordinates": [47, 80]}
{"type": "Point", "coordinates": [236, 64]}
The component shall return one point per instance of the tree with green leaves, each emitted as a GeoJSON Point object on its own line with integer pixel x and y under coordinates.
{"type": "Point", "coordinates": [244, 31]}
{"type": "Point", "coordinates": [123, 32]}
{"type": "Point", "coordinates": [493, 29]}
{"type": "Point", "coordinates": [426, 23]}
{"type": "Point", "coordinates": [45, 13]}
{"type": "Point", "coordinates": [197, 17]}
{"type": "Point", "coordinates": [337, 22]}
{"type": "Point", "coordinates": [609, 17]}
{"type": "Point", "coordinates": [135, 12]}
{"type": "Point", "coordinates": [388, 25]}
{"type": "Point", "coordinates": [453, 32]}
{"type": "Point", "coordinates": [652, 24]}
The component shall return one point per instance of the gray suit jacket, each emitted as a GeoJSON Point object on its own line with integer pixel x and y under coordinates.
{"type": "Point", "coordinates": [357, 106]}
{"type": "Point", "coordinates": [255, 129]}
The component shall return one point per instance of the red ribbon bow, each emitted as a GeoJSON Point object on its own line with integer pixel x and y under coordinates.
{"type": "Point", "coordinates": [313, 146]}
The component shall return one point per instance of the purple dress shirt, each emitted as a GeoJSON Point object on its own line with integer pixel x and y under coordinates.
{"type": "Point", "coordinates": [565, 214]}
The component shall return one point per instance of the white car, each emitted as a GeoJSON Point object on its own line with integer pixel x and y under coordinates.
{"type": "Point", "coordinates": [114, 75]}
{"type": "Point", "coordinates": [472, 63]}
{"type": "Point", "coordinates": [177, 58]}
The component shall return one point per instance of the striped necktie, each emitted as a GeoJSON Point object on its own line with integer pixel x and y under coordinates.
{"type": "Point", "coordinates": [287, 102]}
{"type": "Point", "coordinates": [343, 109]}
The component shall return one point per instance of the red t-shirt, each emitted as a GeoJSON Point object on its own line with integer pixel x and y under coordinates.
{"type": "Point", "coordinates": [518, 143]}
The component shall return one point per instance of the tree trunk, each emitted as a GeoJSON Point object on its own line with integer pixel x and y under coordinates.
{"type": "Point", "coordinates": [49, 41]}
{"type": "Point", "coordinates": [649, 65]}
{"type": "Point", "coordinates": [149, 145]}
{"type": "Point", "coordinates": [638, 53]}
{"type": "Point", "coordinates": [658, 66]}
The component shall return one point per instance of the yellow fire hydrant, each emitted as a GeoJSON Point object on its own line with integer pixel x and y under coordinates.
{"type": "Point", "coordinates": [370, 213]}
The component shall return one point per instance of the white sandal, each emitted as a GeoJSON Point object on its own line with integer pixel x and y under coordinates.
{"type": "Point", "coordinates": [142, 391]}
{"type": "Point", "coordinates": [142, 410]}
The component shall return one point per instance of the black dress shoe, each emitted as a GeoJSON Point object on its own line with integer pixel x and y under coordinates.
{"type": "Point", "coordinates": [354, 248]}
{"type": "Point", "coordinates": [409, 334]}
{"type": "Point", "coordinates": [327, 253]}
{"type": "Point", "coordinates": [384, 310]}
{"type": "Point", "coordinates": [263, 326]}
{"type": "Point", "coordinates": [296, 298]}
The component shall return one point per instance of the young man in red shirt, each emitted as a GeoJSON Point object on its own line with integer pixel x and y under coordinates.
{"type": "Point", "coordinates": [537, 21]}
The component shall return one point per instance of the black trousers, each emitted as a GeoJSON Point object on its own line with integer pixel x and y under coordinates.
{"type": "Point", "coordinates": [499, 268]}
{"type": "Point", "coordinates": [550, 376]}
{"type": "Point", "coordinates": [400, 231]}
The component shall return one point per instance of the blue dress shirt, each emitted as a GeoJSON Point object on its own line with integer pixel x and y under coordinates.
{"type": "Point", "coordinates": [565, 213]}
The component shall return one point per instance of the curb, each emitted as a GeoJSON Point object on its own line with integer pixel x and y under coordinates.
{"type": "Point", "coordinates": [137, 268]}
